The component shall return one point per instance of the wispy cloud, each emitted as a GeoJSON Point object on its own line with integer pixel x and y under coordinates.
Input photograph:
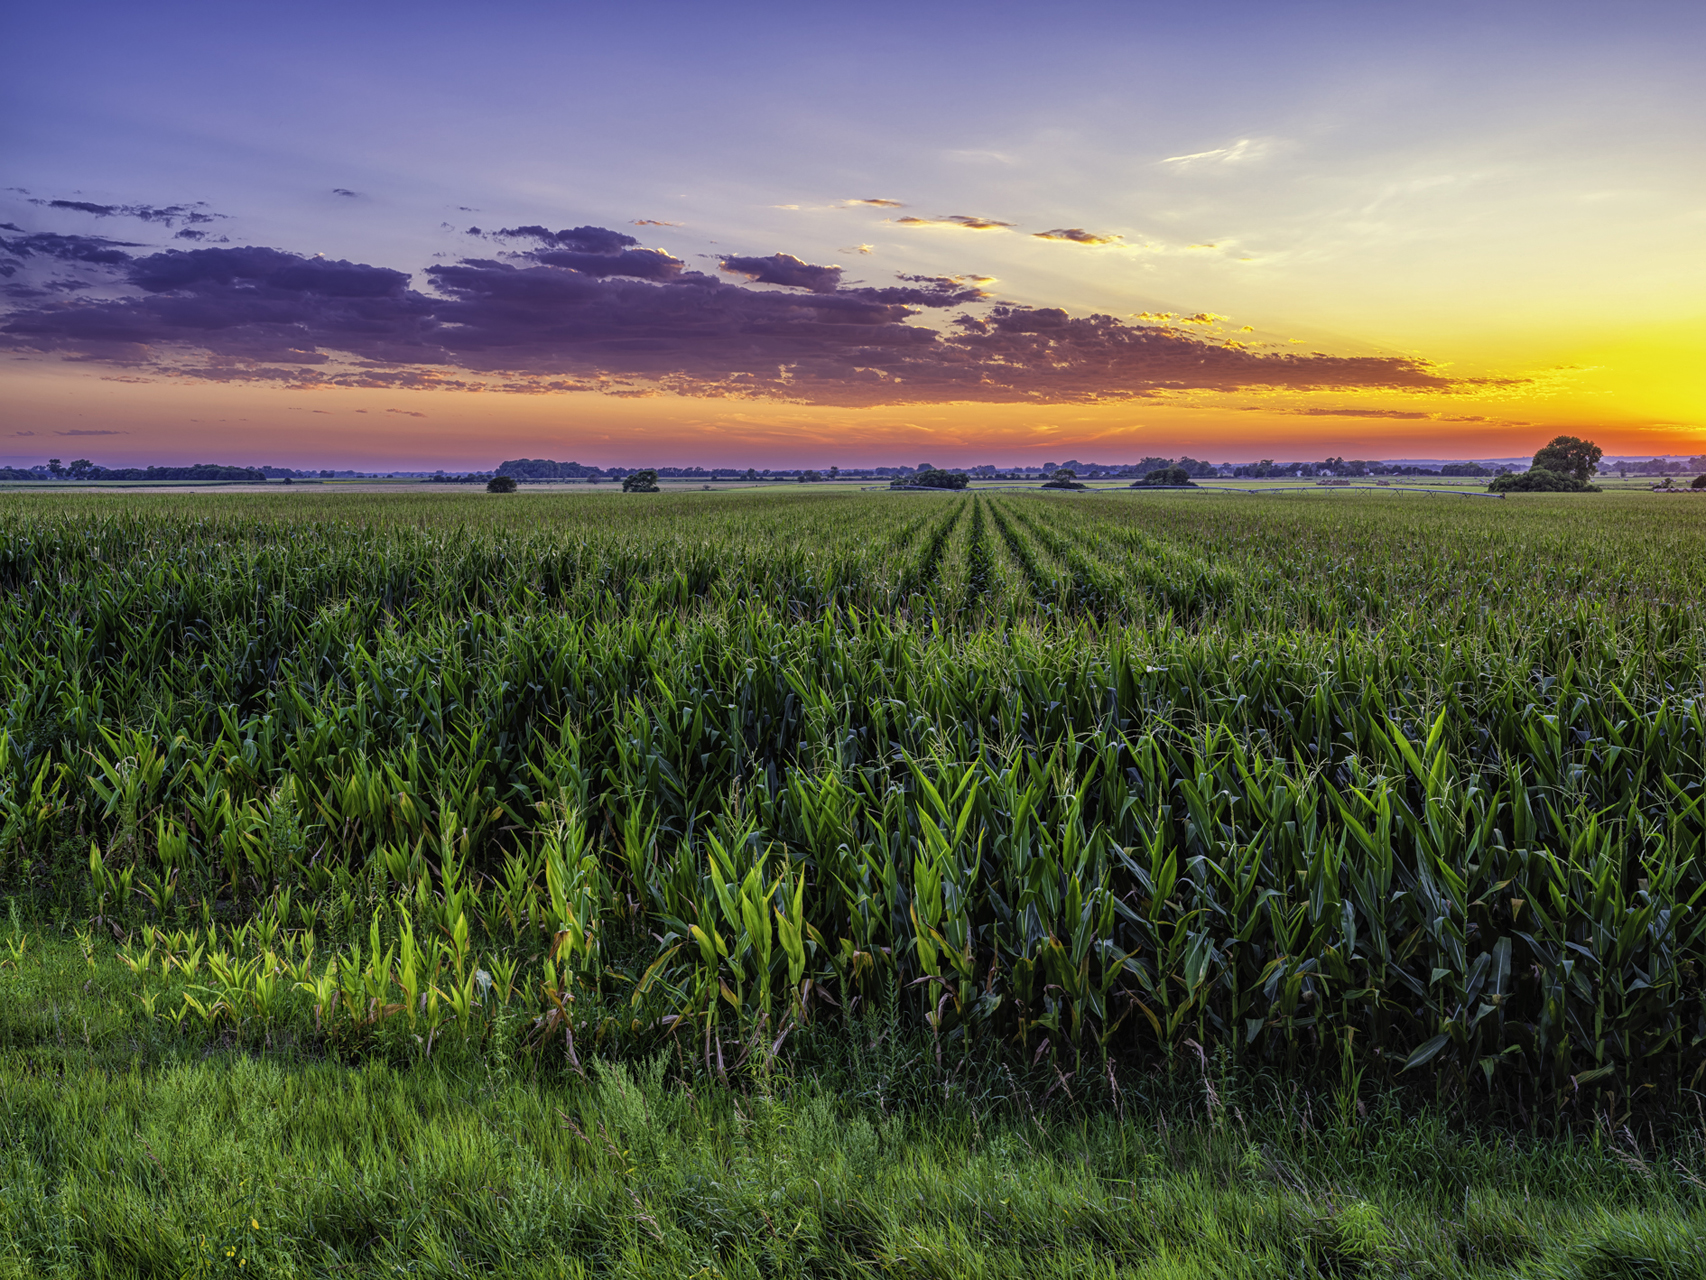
{"type": "Point", "coordinates": [1076, 235]}
{"type": "Point", "coordinates": [860, 248]}
{"type": "Point", "coordinates": [963, 221]}
{"type": "Point", "coordinates": [1401, 415]}
{"type": "Point", "coordinates": [1173, 317]}
{"type": "Point", "coordinates": [1243, 149]}
{"type": "Point", "coordinates": [168, 215]}
{"type": "Point", "coordinates": [879, 202]}
{"type": "Point", "coordinates": [652, 222]}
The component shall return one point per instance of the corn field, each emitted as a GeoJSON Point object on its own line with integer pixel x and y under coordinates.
{"type": "Point", "coordinates": [1321, 783]}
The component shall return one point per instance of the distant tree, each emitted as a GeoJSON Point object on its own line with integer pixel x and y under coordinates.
{"type": "Point", "coordinates": [834, 472]}
{"type": "Point", "coordinates": [1699, 482]}
{"type": "Point", "coordinates": [501, 484]}
{"type": "Point", "coordinates": [931, 479]}
{"type": "Point", "coordinates": [1167, 475]}
{"type": "Point", "coordinates": [55, 467]}
{"type": "Point", "coordinates": [925, 466]}
{"type": "Point", "coordinates": [1571, 456]}
{"type": "Point", "coordinates": [751, 473]}
{"type": "Point", "coordinates": [645, 481]}
{"type": "Point", "coordinates": [82, 469]}
{"type": "Point", "coordinates": [1540, 480]}
{"type": "Point", "coordinates": [1195, 468]}
{"type": "Point", "coordinates": [1266, 467]}
{"type": "Point", "coordinates": [1063, 478]}
{"type": "Point", "coordinates": [1463, 469]}
{"type": "Point", "coordinates": [809, 477]}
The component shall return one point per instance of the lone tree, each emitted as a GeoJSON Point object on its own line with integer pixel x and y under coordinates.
{"type": "Point", "coordinates": [501, 484]}
{"type": "Point", "coordinates": [1064, 478]}
{"type": "Point", "coordinates": [932, 479]}
{"type": "Point", "coordinates": [1166, 475]}
{"type": "Point", "coordinates": [640, 481]}
{"type": "Point", "coordinates": [1578, 458]}
{"type": "Point", "coordinates": [1539, 480]}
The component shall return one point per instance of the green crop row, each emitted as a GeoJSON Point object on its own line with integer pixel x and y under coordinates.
{"type": "Point", "coordinates": [1331, 785]}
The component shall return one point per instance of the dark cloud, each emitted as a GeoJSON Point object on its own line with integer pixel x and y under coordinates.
{"type": "Point", "coordinates": [576, 314]}
{"type": "Point", "coordinates": [642, 264]}
{"type": "Point", "coordinates": [592, 251]}
{"type": "Point", "coordinates": [78, 431]}
{"type": "Point", "coordinates": [1076, 235]}
{"type": "Point", "coordinates": [270, 270]}
{"type": "Point", "coordinates": [343, 191]}
{"type": "Point", "coordinates": [81, 206]}
{"type": "Point", "coordinates": [575, 240]}
{"type": "Point", "coordinates": [95, 250]}
{"type": "Point", "coordinates": [169, 215]}
{"type": "Point", "coordinates": [245, 304]}
{"type": "Point", "coordinates": [653, 222]}
{"type": "Point", "coordinates": [785, 269]}
{"type": "Point", "coordinates": [927, 291]}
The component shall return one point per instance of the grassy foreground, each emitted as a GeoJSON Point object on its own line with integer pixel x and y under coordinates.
{"type": "Point", "coordinates": [127, 1152]}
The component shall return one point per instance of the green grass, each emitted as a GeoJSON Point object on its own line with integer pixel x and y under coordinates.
{"type": "Point", "coordinates": [127, 1149]}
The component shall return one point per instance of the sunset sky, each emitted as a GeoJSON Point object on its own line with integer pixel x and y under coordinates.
{"type": "Point", "coordinates": [423, 235]}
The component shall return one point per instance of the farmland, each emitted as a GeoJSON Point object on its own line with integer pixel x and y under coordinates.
{"type": "Point", "coordinates": [1383, 801]}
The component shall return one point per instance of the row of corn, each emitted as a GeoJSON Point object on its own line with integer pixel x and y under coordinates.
{"type": "Point", "coordinates": [1435, 811]}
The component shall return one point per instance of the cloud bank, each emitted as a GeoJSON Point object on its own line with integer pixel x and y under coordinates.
{"type": "Point", "coordinates": [589, 308]}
